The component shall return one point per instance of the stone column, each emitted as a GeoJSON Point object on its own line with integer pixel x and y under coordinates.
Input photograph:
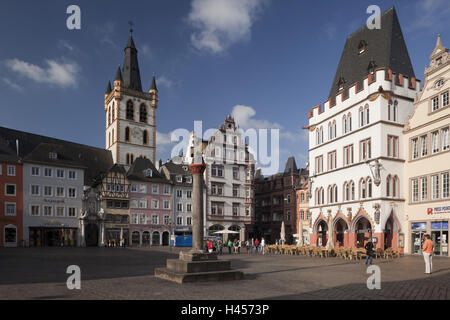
{"type": "Point", "coordinates": [197, 170]}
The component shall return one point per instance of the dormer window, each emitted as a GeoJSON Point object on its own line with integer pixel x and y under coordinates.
{"type": "Point", "coordinates": [371, 67]}
{"type": "Point", "coordinates": [189, 179]}
{"type": "Point", "coordinates": [179, 179]}
{"type": "Point", "coordinates": [341, 83]}
{"type": "Point", "coordinates": [148, 173]}
{"type": "Point", "coordinates": [362, 46]}
{"type": "Point", "coordinates": [53, 155]}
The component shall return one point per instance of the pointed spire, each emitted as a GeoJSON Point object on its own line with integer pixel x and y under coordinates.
{"type": "Point", "coordinates": [439, 41]}
{"type": "Point", "coordinates": [108, 88]}
{"type": "Point", "coordinates": [153, 85]}
{"type": "Point", "coordinates": [131, 73]}
{"type": "Point", "coordinates": [118, 75]}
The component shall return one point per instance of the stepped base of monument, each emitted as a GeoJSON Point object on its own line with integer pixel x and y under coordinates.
{"type": "Point", "coordinates": [198, 267]}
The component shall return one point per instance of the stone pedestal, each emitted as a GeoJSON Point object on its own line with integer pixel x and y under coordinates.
{"type": "Point", "coordinates": [194, 266]}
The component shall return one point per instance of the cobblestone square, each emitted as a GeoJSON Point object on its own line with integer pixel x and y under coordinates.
{"type": "Point", "coordinates": [128, 273]}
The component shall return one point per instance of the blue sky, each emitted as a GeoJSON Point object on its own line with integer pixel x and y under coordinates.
{"type": "Point", "coordinates": [274, 59]}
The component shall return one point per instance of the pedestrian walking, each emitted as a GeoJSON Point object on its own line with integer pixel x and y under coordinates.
{"type": "Point", "coordinates": [427, 251]}
{"type": "Point", "coordinates": [210, 246]}
{"type": "Point", "coordinates": [252, 246]}
{"type": "Point", "coordinates": [256, 245]}
{"type": "Point", "coordinates": [239, 246]}
{"type": "Point", "coordinates": [247, 246]}
{"type": "Point", "coordinates": [263, 246]}
{"type": "Point", "coordinates": [220, 246]}
{"type": "Point", "coordinates": [369, 251]}
{"type": "Point", "coordinates": [229, 244]}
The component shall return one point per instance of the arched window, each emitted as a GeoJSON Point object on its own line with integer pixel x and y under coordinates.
{"type": "Point", "coordinates": [334, 129]}
{"type": "Point", "coordinates": [127, 134]}
{"type": "Point", "coordinates": [361, 116]}
{"type": "Point", "coordinates": [330, 194]}
{"type": "Point", "coordinates": [346, 191]}
{"type": "Point", "coordinates": [321, 134]}
{"type": "Point", "coordinates": [344, 124]}
{"type": "Point", "coordinates": [145, 137]}
{"type": "Point", "coordinates": [143, 113]}
{"type": "Point", "coordinates": [367, 114]}
{"type": "Point", "coordinates": [369, 188]}
{"type": "Point", "coordinates": [113, 111]}
{"type": "Point", "coordinates": [335, 193]}
{"type": "Point", "coordinates": [362, 188]}
{"type": "Point", "coordinates": [330, 131]}
{"type": "Point", "coordinates": [352, 189]}
{"type": "Point", "coordinates": [388, 186]}
{"type": "Point", "coordinates": [130, 110]}
{"type": "Point", "coordinates": [349, 121]}
{"type": "Point", "coordinates": [112, 141]}
{"type": "Point", "coordinates": [322, 195]}
{"type": "Point", "coordinates": [128, 158]}
{"type": "Point", "coordinates": [131, 158]}
{"type": "Point", "coordinates": [395, 187]}
{"type": "Point", "coordinates": [109, 116]}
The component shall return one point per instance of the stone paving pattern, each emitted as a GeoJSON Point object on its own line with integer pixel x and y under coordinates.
{"type": "Point", "coordinates": [128, 273]}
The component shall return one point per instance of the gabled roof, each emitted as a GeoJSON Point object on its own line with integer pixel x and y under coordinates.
{"type": "Point", "coordinates": [7, 154]}
{"type": "Point", "coordinates": [95, 160]}
{"type": "Point", "coordinates": [138, 170]}
{"type": "Point", "coordinates": [173, 170]}
{"type": "Point", "coordinates": [385, 46]}
{"type": "Point", "coordinates": [108, 87]}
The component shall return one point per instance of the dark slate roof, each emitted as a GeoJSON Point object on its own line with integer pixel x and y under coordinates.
{"type": "Point", "coordinates": [108, 87]}
{"type": "Point", "coordinates": [138, 168]}
{"type": "Point", "coordinates": [153, 85]}
{"type": "Point", "coordinates": [118, 74]}
{"type": "Point", "coordinates": [7, 154]}
{"type": "Point", "coordinates": [291, 166]}
{"type": "Point", "coordinates": [175, 170]}
{"type": "Point", "coordinates": [118, 168]}
{"type": "Point", "coordinates": [130, 72]}
{"type": "Point", "coordinates": [386, 47]}
{"type": "Point", "coordinates": [95, 160]}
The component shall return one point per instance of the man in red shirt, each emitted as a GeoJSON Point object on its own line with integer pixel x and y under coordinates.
{"type": "Point", "coordinates": [256, 245]}
{"type": "Point", "coordinates": [210, 246]}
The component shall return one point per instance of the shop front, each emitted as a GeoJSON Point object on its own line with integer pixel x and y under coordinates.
{"type": "Point", "coordinates": [52, 237]}
{"type": "Point", "coordinates": [439, 235]}
{"type": "Point", "coordinates": [418, 230]}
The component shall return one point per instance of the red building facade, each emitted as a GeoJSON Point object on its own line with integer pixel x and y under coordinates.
{"type": "Point", "coordinates": [11, 218]}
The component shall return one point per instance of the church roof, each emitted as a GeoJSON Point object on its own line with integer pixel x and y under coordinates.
{"type": "Point", "coordinates": [130, 71]}
{"type": "Point", "coordinates": [386, 47]}
{"type": "Point", "coordinates": [108, 87]}
{"type": "Point", "coordinates": [153, 85]}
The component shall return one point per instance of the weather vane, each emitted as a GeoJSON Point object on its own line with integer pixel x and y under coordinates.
{"type": "Point", "coordinates": [131, 26]}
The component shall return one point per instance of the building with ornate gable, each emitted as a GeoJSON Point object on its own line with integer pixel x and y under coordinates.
{"type": "Point", "coordinates": [427, 154]}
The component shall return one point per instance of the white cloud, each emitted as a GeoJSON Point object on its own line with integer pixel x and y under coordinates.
{"type": "Point", "coordinates": [163, 138]}
{"type": "Point", "coordinates": [12, 85]}
{"type": "Point", "coordinates": [431, 14]}
{"type": "Point", "coordinates": [221, 23]}
{"type": "Point", "coordinates": [243, 116]}
{"type": "Point", "coordinates": [164, 81]}
{"type": "Point", "coordinates": [63, 44]}
{"type": "Point", "coordinates": [63, 74]}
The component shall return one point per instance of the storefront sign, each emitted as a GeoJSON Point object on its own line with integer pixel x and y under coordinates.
{"type": "Point", "coordinates": [53, 223]}
{"type": "Point", "coordinates": [438, 210]}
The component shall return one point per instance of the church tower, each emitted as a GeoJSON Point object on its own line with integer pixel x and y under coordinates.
{"type": "Point", "coordinates": [130, 112]}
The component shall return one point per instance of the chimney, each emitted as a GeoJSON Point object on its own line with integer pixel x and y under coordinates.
{"type": "Point", "coordinates": [17, 146]}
